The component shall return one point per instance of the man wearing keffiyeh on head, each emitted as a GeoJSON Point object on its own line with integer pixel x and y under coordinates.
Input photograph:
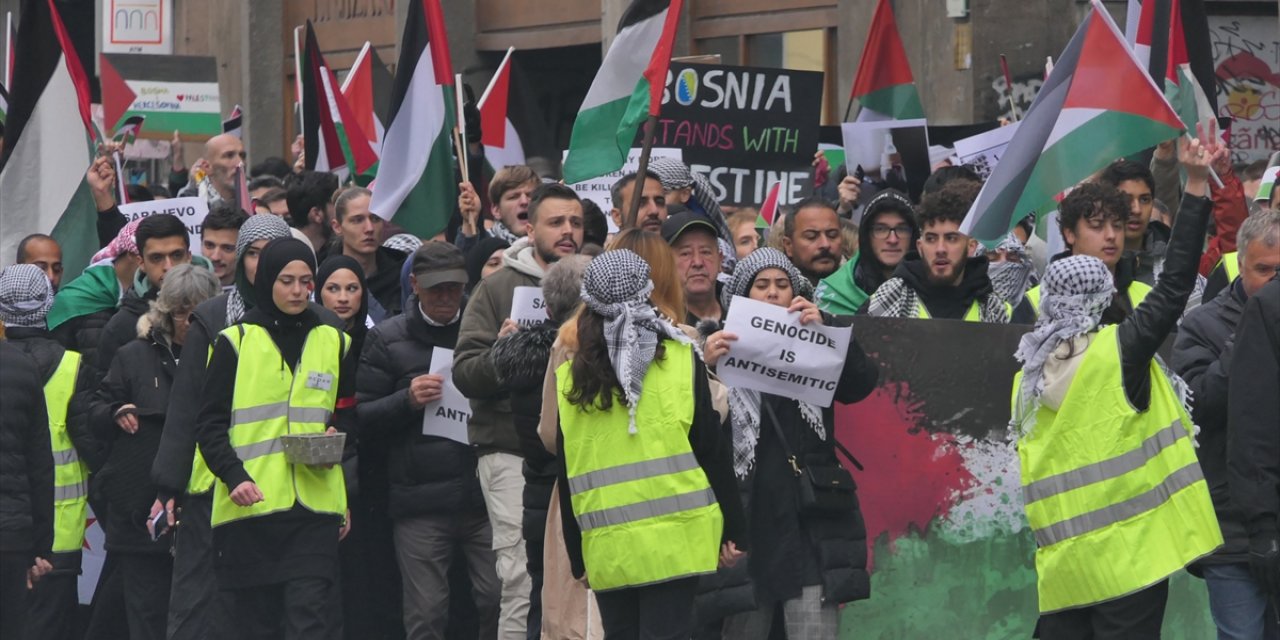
{"type": "Point", "coordinates": [25, 298]}
{"type": "Point", "coordinates": [1114, 494]}
{"type": "Point", "coordinates": [193, 603]}
{"type": "Point", "coordinates": [629, 415]}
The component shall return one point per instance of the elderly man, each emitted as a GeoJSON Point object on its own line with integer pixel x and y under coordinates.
{"type": "Point", "coordinates": [222, 154]}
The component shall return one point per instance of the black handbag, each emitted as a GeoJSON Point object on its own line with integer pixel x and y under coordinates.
{"type": "Point", "coordinates": [821, 489]}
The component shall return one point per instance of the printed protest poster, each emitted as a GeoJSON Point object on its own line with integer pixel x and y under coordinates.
{"type": "Point", "coordinates": [983, 151]}
{"type": "Point", "coordinates": [137, 26]}
{"type": "Point", "coordinates": [448, 416]}
{"type": "Point", "coordinates": [743, 128]}
{"type": "Point", "coordinates": [776, 354]}
{"type": "Point", "coordinates": [877, 145]}
{"type": "Point", "coordinates": [191, 211]}
{"type": "Point", "coordinates": [598, 189]}
{"type": "Point", "coordinates": [528, 308]}
{"type": "Point", "coordinates": [173, 92]}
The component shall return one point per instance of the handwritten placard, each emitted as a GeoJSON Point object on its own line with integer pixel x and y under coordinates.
{"type": "Point", "coordinates": [599, 190]}
{"type": "Point", "coordinates": [776, 354]}
{"type": "Point", "coordinates": [448, 416]}
{"type": "Point", "coordinates": [528, 308]}
{"type": "Point", "coordinates": [191, 211]}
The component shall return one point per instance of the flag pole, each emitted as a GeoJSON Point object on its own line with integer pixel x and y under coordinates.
{"type": "Point", "coordinates": [637, 189]}
{"type": "Point", "coordinates": [460, 129]}
{"type": "Point", "coordinates": [848, 108]}
{"type": "Point", "coordinates": [1008, 87]}
{"type": "Point", "coordinates": [8, 50]}
{"type": "Point", "coordinates": [297, 78]}
{"type": "Point", "coordinates": [484, 97]}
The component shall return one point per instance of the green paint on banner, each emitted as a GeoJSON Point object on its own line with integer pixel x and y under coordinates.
{"type": "Point", "coordinates": [981, 589]}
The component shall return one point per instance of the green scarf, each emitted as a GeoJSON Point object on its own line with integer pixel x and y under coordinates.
{"type": "Point", "coordinates": [97, 289]}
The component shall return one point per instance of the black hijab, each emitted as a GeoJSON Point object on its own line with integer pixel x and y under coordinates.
{"type": "Point", "coordinates": [478, 255]}
{"type": "Point", "coordinates": [288, 330]}
{"type": "Point", "coordinates": [358, 326]}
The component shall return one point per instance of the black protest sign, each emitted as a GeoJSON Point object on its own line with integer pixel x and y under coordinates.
{"type": "Point", "coordinates": [743, 128]}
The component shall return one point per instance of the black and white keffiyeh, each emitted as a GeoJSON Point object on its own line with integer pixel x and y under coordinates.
{"type": "Point", "coordinates": [674, 174]}
{"type": "Point", "coordinates": [1011, 277]}
{"type": "Point", "coordinates": [499, 230]}
{"type": "Point", "coordinates": [25, 296]}
{"type": "Point", "coordinates": [258, 227]}
{"type": "Point", "coordinates": [405, 243]}
{"type": "Point", "coordinates": [744, 404]}
{"type": "Point", "coordinates": [1076, 290]}
{"type": "Point", "coordinates": [616, 285]}
{"type": "Point", "coordinates": [896, 299]}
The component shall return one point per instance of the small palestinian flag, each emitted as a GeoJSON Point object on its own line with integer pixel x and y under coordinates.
{"type": "Point", "coordinates": [502, 146]}
{"type": "Point", "coordinates": [884, 85]}
{"type": "Point", "coordinates": [1097, 105]}
{"type": "Point", "coordinates": [367, 89]}
{"type": "Point", "coordinates": [627, 90]}
{"type": "Point", "coordinates": [234, 124]}
{"type": "Point", "coordinates": [327, 119]}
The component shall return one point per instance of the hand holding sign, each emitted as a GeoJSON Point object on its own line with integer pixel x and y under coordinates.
{"type": "Point", "coordinates": [425, 389]}
{"type": "Point", "coordinates": [448, 414]}
{"type": "Point", "coordinates": [528, 309]}
{"type": "Point", "coordinates": [785, 352]}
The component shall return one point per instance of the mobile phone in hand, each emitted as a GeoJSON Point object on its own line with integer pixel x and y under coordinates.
{"type": "Point", "coordinates": [159, 524]}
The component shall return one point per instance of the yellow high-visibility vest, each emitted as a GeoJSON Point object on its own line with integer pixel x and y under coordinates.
{"type": "Point", "coordinates": [1137, 292]}
{"type": "Point", "coordinates": [70, 475]}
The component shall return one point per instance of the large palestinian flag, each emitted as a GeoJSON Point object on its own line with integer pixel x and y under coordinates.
{"type": "Point", "coordinates": [502, 146]}
{"type": "Point", "coordinates": [416, 188]}
{"type": "Point", "coordinates": [1097, 105]}
{"type": "Point", "coordinates": [48, 142]}
{"type": "Point", "coordinates": [367, 89]}
{"type": "Point", "coordinates": [884, 84]}
{"type": "Point", "coordinates": [334, 140]}
{"type": "Point", "coordinates": [627, 90]}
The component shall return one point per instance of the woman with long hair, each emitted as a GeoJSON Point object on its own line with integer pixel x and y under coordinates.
{"type": "Point", "coordinates": [640, 456]}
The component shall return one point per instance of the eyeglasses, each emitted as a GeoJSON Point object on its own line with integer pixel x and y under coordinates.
{"type": "Point", "coordinates": [882, 231]}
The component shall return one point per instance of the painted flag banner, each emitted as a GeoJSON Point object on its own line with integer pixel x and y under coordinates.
{"type": "Point", "coordinates": [173, 92]}
{"type": "Point", "coordinates": [884, 83]}
{"type": "Point", "coordinates": [776, 354]}
{"type": "Point", "coordinates": [1096, 106]}
{"type": "Point", "coordinates": [416, 188]}
{"type": "Point", "coordinates": [627, 89]}
{"type": "Point", "coordinates": [502, 146]}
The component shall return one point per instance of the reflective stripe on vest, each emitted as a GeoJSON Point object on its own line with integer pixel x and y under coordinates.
{"type": "Point", "coordinates": [271, 400]}
{"type": "Point", "coordinates": [1115, 497]}
{"type": "Point", "coordinates": [1231, 263]}
{"type": "Point", "coordinates": [633, 494]}
{"type": "Point", "coordinates": [70, 476]}
{"type": "Point", "coordinates": [1137, 292]}
{"type": "Point", "coordinates": [974, 314]}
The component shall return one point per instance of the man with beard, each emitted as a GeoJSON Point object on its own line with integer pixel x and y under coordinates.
{"type": "Point", "coordinates": [308, 199]}
{"type": "Point", "coordinates": [942, 280]}
{"type": "Point", "coordinates": [555, 217]}
{"type": "Point", "coordinates": [218, 240]}
{"type": "Point", "coordinates": [653, 202]}
{"type": "Point", "coordinates": [222, 154]}
{"type": "Point", "coordinates": [812, 240]}
{"type": "Point", "coordinates": [510, 192]}
{"type": "Point", "coordinates": [885, 235]}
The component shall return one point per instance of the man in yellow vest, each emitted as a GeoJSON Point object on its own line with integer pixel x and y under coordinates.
{"type": "Point", "coordinates": [276, 524]}
{"type": "Point", "coordinates": [26, 296]}
{"type": "Point", "coordinates": [943, 279]}
{"type": "Point", "coordinates": [1114, 493]}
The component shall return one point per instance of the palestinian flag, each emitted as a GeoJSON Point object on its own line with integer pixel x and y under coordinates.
{"type": "Point", "coordinates": [1141, 30]}
{"type": "Point", "coordinates": [627, 90]}
{"type": "Point", "coordinates": [367, 89]}
{"type": "Point", "coordinates": [884, 84]}
{"type": "Point", "coordinates": [769, 209]}
{"type": "Point", "coordinates": [234, 124]}
{"type": "Point", "coordinates": [416, 188]}
{"type": "Point", "coordinates": [1097, 105]}
{"type": "Point", "coordinates": [4, 107]}
{"type": "Point", "coordinates": [502, 146]}
{"type": "Point", "coordinates": [1180, 85]}
{"type": "Point", "coordinates": [49, 142]}
{"type": "Point", "coordinates": [327, 120]}
{"type": "Point", "coordinates": [173, 92]}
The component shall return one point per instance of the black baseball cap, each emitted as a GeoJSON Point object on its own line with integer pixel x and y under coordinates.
{"type": "Point", "coordinates": [684, 221]}
{"type": "Point", "coordinates": [438, 262]}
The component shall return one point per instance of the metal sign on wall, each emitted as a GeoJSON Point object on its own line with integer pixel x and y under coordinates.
{"type": "Point", "coordinates": [137, 26]}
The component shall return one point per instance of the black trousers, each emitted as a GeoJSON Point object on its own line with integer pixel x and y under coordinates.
{"type": "Point", "coordinates": [295, 610]}
{"type": "Point", "coordinates": [146, 579]}
{"type": "Point", "coordinates": [195, 610]}
{"type": "Point", "coordinates": [13, 593]}
{"type": "Point", "coordinates": [656, 612]}
{"type": "Point", "coordinates": [52, 606]}
{"type": "Point", "coordinates": [1137, 616]}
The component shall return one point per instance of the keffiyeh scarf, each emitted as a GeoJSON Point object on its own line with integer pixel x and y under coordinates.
{"type": "Point", "coordinates": [896, 299]}
{"type": "Point", "coordinates": [499, 230]}
{"type": "Point", "coordinates": [123, 243]}
{"type": "Point", "coordinates": [616, 285]}
{"type": "Point", "coordinates": [404, 243]}
{"type": "Point", "coordinates": [259, 227]}
{"type": "Point", "coordinates": [1076, 292]}
{"type": "Point", "coordinates": [1010, 278]}
{"type": "Point", "coordinates": [25, 296]}
{"type": "Point", "coordinates": [744, 404]}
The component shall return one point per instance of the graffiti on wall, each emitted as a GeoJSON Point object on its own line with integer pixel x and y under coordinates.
{"type": "Point", "coordinates": [1025, 89]}
{"type": "Point", "coordinates": [1246, 57]}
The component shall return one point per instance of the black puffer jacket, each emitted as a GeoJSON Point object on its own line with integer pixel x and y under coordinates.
{"type": "Point", "coordinates": [84, 334]}
{"type": "Point", "coordinates": [123, 326]}
{"type": "Point", "coordinates": [47, 353]}
{"type": "Point", "coordinates": [1253, 455]}
{"type": "Point", "coordinates": [26, 460]}
{"type": "Point", "coordinates": [428, 475]}
{"type": "Point", "coordinates": [521, 359]}
{"type": "Point", "coordinates": [1201, 353]}
{"type": "Point", "coordinates": [141, 374]}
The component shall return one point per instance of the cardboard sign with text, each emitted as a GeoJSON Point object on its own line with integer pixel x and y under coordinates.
{"type": "Point", "coordinates": [743, 128]}
{"type": "Point", "coordinates": [528, 308]}
{"type": "Point", "coordinates": [597, 190]}
{"type": "Point", "coordinates": [191, 211]}
{"type": "Point", "coordinates": [776, 354]}
{"type": "Point", "coordinates": [448, 416]}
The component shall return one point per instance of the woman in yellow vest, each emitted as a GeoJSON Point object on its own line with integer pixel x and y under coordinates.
{"type": "Point", "coordinates": [1112, 487]}
{"type": "Point", "coordinates": [647, 493]}
{"type": "Point", "coordinates": [276, 525]}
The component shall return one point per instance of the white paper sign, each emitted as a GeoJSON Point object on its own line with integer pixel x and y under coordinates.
{"type": "Point", "coordinates": [866, 143]}
{"type": "Point", "coordinates": [983, 151]}
{"type": "Point", "coordinates": [528, 308]}
{"type": "Point", "coordinates": [776, 354]}
{"type": "Point", "coordinates": [448, 416]}
{"type": "Point", "coordinates": [597, 189]}
{"type": "Point", "coordinates": [191, 211]}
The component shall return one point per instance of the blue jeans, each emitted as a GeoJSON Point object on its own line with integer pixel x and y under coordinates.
{"type": "Point", "coordinates": [1238, 604]}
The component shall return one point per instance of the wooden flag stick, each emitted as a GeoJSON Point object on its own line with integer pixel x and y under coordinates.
{"type": "Point", "coordinates": [464, 159]}
{"type": "Point", "coordinates": [1008, 86]}
{"type": "Point", "coordinates": [460, 145]}
{"type": "Point", "coordinates": [637, 187]}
